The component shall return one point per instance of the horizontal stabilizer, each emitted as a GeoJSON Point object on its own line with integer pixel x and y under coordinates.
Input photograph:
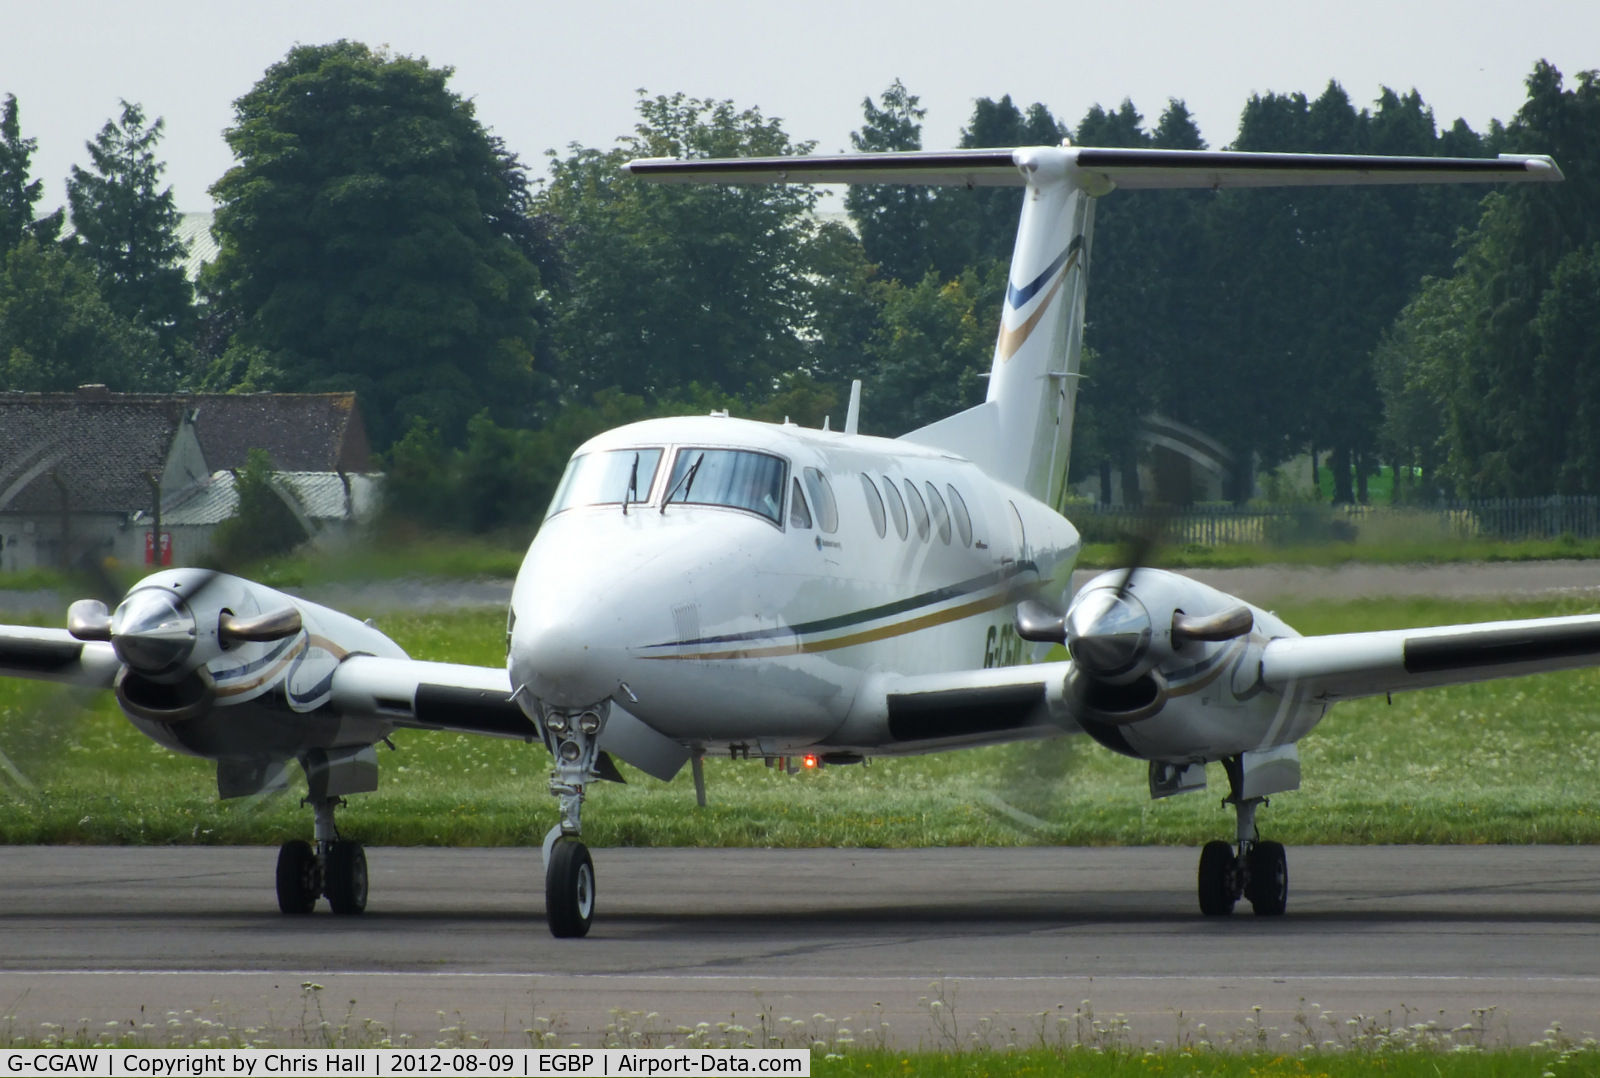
{"type": "Point", "coordinates": [958, 168]}
{"type": "Point", "coordinates": [1136, 170]}
{"type": "Point", "coordinates": [1099, 170]}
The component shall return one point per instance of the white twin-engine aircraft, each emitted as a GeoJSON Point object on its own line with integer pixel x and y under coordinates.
{"type": "Point", "coordinates": [712, 584]}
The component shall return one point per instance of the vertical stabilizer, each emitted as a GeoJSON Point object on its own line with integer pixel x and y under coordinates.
{"type": "Point", "coordinates": [1022, 433]}
{"type": "Point", "coordinates": [1033, 382]}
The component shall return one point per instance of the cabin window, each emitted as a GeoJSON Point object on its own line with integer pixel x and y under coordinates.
{"type": "Point", "coordinates": [799, 515]}
{"type": "Point", "coordinates": [897, 508]}
{"type": "Point", "coordinates": [613, 477]}
{"type": "Point", "coordinates": [958, 509]}
{"type": "Point", "coordinates": [919, 512]}
{"type": "Point", "coordinates": [874, 505]}
{"type": "Point", "coordinates": [941, 515]}
{"type": "Point", "coordinates": [821, 492]}
{"type": "Point", "coordinates": [735, 478]}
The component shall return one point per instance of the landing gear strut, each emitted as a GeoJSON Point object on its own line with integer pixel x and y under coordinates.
{"type": "Point", "coordinates": [569, 885]}
{"type": "Point", "coordinates": [334, 868]}
{"type": "Point", "coordinates": [1258, 871]}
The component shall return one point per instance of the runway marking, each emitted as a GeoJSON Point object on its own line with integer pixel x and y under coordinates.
{"type": "Point", "coordinates": [818, 978]}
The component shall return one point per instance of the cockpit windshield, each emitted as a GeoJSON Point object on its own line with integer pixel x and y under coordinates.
{"type": "Point", "coordinates": [615, 477]}
{"type": "Point", "coordinates": [736, 478]}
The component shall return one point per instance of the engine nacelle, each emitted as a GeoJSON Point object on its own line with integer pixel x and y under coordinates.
{"type": "Point", "coordinates": [193, 640]}
{"type": "Point", "coordinates": [1167, 668]}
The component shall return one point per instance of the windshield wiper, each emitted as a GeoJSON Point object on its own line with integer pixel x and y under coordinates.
{"type": "Point", "coordinates": [687, 483]}
{"type": "Point", "coordinates": [633, 486]}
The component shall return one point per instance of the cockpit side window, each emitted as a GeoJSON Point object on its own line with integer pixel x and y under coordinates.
{"type": "Point", "coordinates": [612, 477]}
{"type": "Point", "coordinates": [821, 492]}
{"type": "Point", "coordinates": [736, 478]}
{"type": "Point", "coordinates": [799, 515]}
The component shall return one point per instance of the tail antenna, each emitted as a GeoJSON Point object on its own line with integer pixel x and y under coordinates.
{"type": "Point", "coordinates": [852, 418]}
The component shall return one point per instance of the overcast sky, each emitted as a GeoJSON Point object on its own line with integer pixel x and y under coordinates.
{"type": "Point", "coordinates": [546, 74]}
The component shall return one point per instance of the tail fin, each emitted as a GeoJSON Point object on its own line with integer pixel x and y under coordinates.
{"type": "Point", "coordinates": [1022, 433]}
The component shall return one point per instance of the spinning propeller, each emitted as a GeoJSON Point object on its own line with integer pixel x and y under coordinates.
{"type": "Point", "coordinates": [1120, 641]}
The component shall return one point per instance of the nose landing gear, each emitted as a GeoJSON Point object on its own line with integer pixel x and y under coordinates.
{"type": "Point", "coordinates": [1258, 871]}
{"type": "Point", "coordinates": [569, 882]}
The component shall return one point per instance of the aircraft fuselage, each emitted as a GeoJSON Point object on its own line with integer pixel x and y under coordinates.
{"type": "Point", "coordinates": [761, 621]}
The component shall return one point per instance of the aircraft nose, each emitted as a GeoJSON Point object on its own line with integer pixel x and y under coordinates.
{"type": "Point", "coordinates": [570, 658]}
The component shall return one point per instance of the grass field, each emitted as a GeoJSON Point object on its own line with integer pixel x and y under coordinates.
{"type": "Point", "coordinates": [405, 556]}
{"type": "Point", "coordinates": [1514, 761]}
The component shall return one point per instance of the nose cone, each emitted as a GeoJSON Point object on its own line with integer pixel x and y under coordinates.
{"type": "Point", "coordinates": [152, 631]}
{"type": "Point", "coordinates": [567, 658]}
{"type": "Point", "coordinates": [1107, 634]}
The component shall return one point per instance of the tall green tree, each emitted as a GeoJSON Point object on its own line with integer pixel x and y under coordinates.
{"type": "Point", "coordinates": [57, 332]}
{"type": "Point", "coordinates": [1317, 274]}
{"type": "Point", "coordinates": [126, 225]}
{"type": "Point", "coordinates": [1507, 362]}
{"type": "Point", "coordinates": [18, 194]}
{"type": "Point", "coordinates": [673, 284]}
{"type": "Point", "coordinates": [932, 347]}
{"type": "Point", "coordinates": [899, 226]}
{"type": "Point", "coordinates": [372, 239]}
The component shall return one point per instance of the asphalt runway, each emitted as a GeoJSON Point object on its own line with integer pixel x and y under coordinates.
{"type": "Point", "coordinates": [454, 944]}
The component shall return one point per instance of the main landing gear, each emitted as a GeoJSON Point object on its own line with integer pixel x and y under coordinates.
{"type": "Point", "coordinates": [1258, 871]}
{"type": "Point", "coordinates": [335, 868]}
{"type": "Point", "coordinates": [569, 888]}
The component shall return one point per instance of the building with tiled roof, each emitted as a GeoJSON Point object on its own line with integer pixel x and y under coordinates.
{"type": "Point", "coordinates": [301, 432]}
{"type": "Point", "coordinates": [81, 473]}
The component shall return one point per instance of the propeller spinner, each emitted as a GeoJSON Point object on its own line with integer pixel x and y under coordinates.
{"type": "Point", "coordinates": [154, 629]}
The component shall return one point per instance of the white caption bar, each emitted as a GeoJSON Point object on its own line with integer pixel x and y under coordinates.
{"type": "Point", "coordinates": [396, 1063]}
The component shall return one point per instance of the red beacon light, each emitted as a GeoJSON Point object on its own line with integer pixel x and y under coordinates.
{"type": "Point", "coordinates": [809, 760]}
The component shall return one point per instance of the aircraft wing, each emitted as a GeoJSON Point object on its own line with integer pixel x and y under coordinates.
{"type": "Point", "coordinates": [478, 700]}
{"type": "Point", "coordinates": [963, 705]}
{"type": "Point", "coordinates": [55, 655]}
{"type": "Point", "coordinates": [1349, 665]}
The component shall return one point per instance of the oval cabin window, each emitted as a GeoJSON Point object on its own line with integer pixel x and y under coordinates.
{"type": "Point", "coordinates": [919, 512]}
{"type": "Point", "coordinates": [897, 508]}
{"type": "Point", "coordinates": [874, 505]}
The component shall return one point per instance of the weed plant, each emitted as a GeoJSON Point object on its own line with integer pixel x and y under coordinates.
{"type": "Point", "coordinates": [1077, 1042]}
{"type": "Point", "coordinates": [1506, 762]}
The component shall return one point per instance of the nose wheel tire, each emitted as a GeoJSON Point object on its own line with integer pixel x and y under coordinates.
{"type": "Point", "coordinates": [1268, 886]}
{"type": "Point", "coordinates": [1219, 871]}
{"type": "Point", "coordinates": [347, 877]}
{"type": "Point", "coordinates": [569, 889]}
{"type": "Point", "coordinates": [297, 877]}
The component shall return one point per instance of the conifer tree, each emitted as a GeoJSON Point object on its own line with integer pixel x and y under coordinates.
{"type": "Point", "coordinates": [126, 226]}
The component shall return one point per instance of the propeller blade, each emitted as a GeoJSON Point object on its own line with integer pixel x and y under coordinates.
{"type": "Point", "coordinates": [263, 627]}
{"type": "Point", "coordinates": [1038, 623]}
{"type": "Point", "coordinates": [1227, 625]}
{"type": "Point", "coordinates": [88, 619]}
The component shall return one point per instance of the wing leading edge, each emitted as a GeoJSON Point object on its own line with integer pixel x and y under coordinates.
{"type": "Point", "coordinates": [1100, 169]}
